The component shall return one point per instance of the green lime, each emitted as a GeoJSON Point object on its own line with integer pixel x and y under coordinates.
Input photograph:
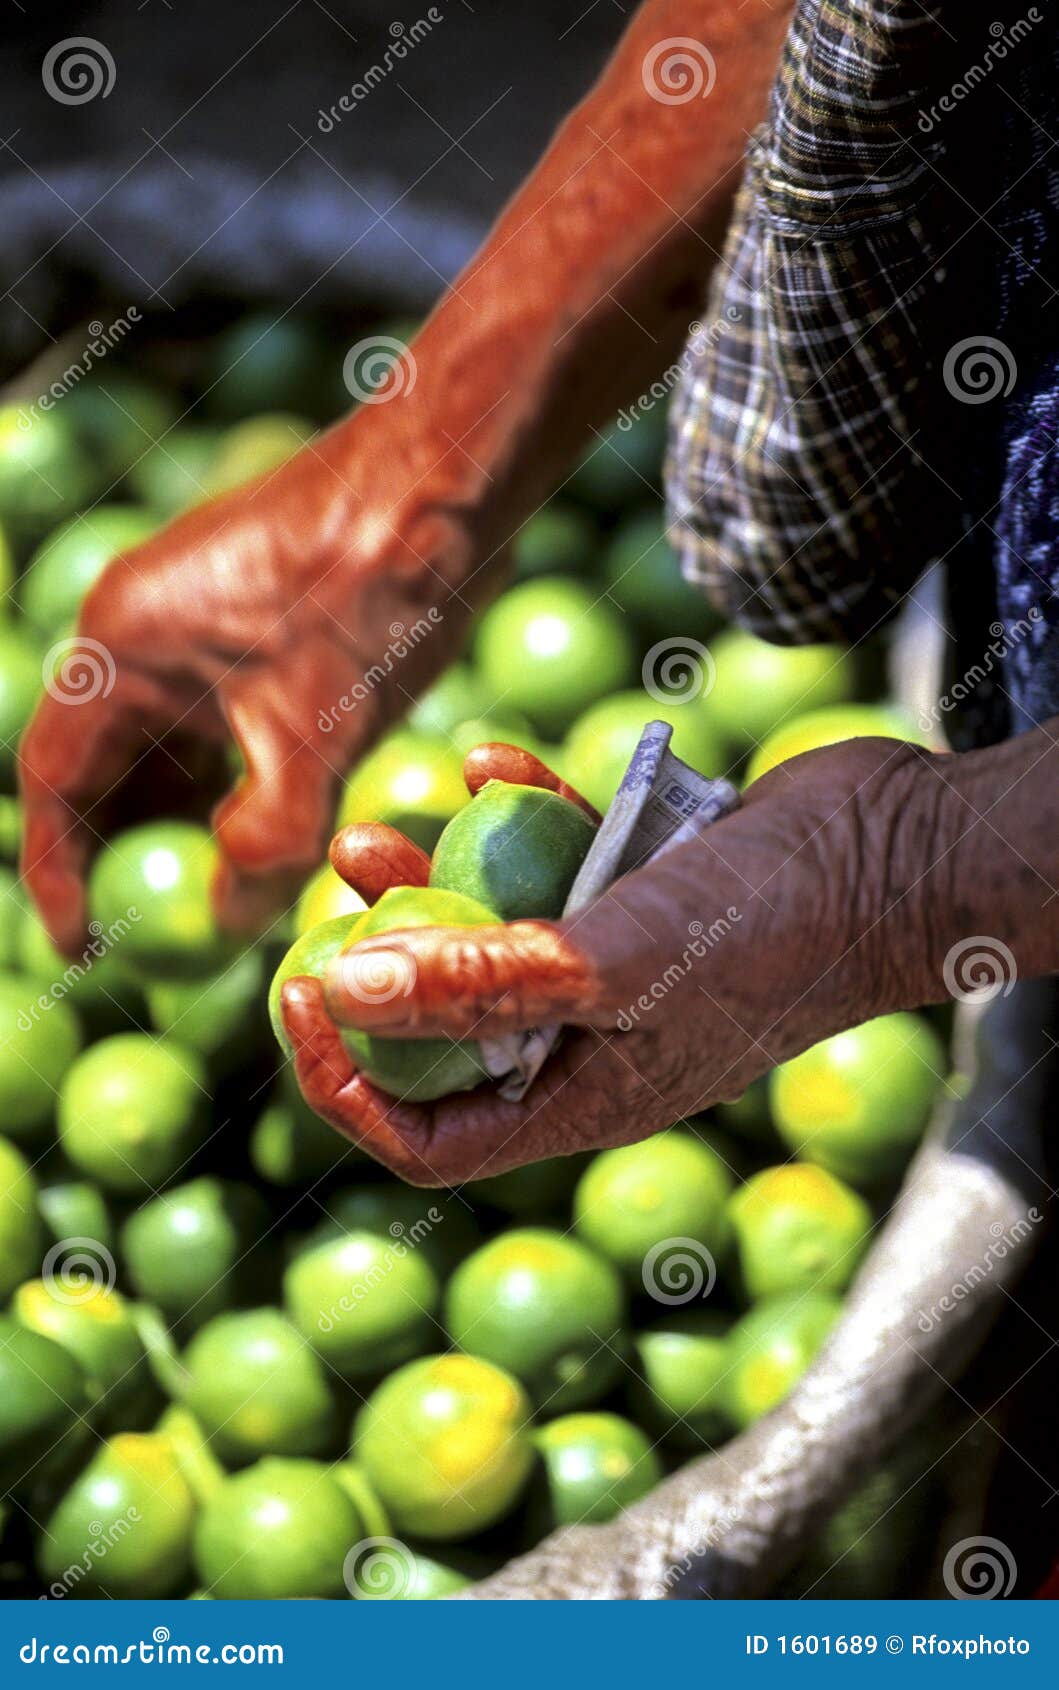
{"type": "Point", "coordinates": [683, 1361]}
{"type": "Point", "coordinates": [123, 1529]}
{"type": "Point", "coordinates": [174, 474]}
{"type": "Point", "coordinates": [261, 362]}
{"type": "Point", "coordinates": [73, 1208]}
{"type": "Point", "coordinates": [412, 781]}
{"type": "Point", "coordinates": [118, 418]}
{"type": "Point", "coordinates": [455, 695]}
{"type": "Point", "coordinates": [600, 745]}
{"type": "Point", "coordinates": [515, 849]}
{"type": "Point", "coordinates": [39, 1039]}
{"type": "Point", "coordinates": [829, 727]}
{"type": "Point", "coordinates": [594, 1466]}
{"type": "Point", "coordinates": [95, 983]}
{"type": "Point", "coordinates": [622, 464]}
{"type": "Point", "coordinates": [644, 580]}
{"type": "Point", "coordinates": [444, 1442]}
{"type": "Point", "coordinates": [131, 1111]}
{"type": "Point", "coordinates": [798, 1228]}
{"type": "Point", "coordinates": [546, 1308]}
{"type": "Point", "coordinates": [219, 1017]}
{"type": "Point", "coordinates": [44, 474]}
{"type": "Point", "coordinates": [10, 827]}
{"type": "Point", "coordinates": [505, 727]}
{"type": "Point", "coordinates": [93, 1322]}
{"type": "Point", "coordinates": [364, 1304]}
{"type": "Point", "coordinates": [558, 540]}
{"type": "Point", "coordinates": [759, 687]}
{"type": "Point", "coordinates": [21, 1234]}
{"type": "Point", "coordinates": [392, 1572]}
{"type": "Point", "coordinates": [552, 647]}
{"type": "Point", "coordinates": [670, 1190]}
{"type": "Point", "coordinates": [310, 954]}
{"type": "Point", "coordinates": [191, 1251]}
{"type": "Point", "coordinates": [770, 1349]}
{"type": "Point", "coordinates": [191, 1451]}
{"type": "Point", "coordinates": [322, 898]}
{"type": "Point", "coordinates": [72, 559]}
{"type": "Point", "coordinates": [415, 1070]}
{"type": "Point", "coordinates": [8, 571]}
{"type": "Point", "coordinates": [21, 684]}
{"type": "Point", "coordinates": [254, 447]}
{"type": "Point", "coordinates": [281, 1529]}
{"type": "Point", "coordinates": [43, 1400]}
{"type": "Point", "coordinates": [257, 1388]}
{"type": "Point", "coordinates": [358, 1487]}
{"type": "Point", "coordinates": [150, 888]}
{"type": "Point", "coordinates": [537, 1189]}
{"type": "Point", "coordinates": [439, 1227]}
{"type": "Point", "coordinates": [857, 1103]}
{"type": "Point", "coordinates": [289, 1145]}
{"type": "Point", "coordinates": [12, 915]}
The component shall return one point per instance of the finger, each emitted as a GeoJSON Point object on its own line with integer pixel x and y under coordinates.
{"type": "Point", "coordinates": [83, 738]}
{"type": "Point", "coordinates": [497, 761]}
{"type": "Point", "coordinates": [373, 857]}
{"type": "Point", "coordinates": [273, 828]}
{"type": "Point", "coordinates": [461, 981]}
{"type": "Point", "coordinates": [395, 1134]}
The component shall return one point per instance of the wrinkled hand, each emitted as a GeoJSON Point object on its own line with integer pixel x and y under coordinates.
{"type": "Point", "coordinates": [268, 615]}
{"type": "Point", "coordinates": [786, 922]}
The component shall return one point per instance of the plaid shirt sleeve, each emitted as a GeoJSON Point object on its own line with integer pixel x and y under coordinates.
{"type": "Point", "coordinates": [798, 494]}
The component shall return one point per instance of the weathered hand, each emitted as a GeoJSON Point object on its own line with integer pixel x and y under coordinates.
{"type": "Point", "coordinates": [795, 917]}
{"type": "Point", "coordinates": [299, 615]}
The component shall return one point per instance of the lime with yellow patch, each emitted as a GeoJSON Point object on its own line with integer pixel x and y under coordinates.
{"type": "Point", "coordinates": [255, 447]}
{"type": "Point", "coordinates": [44, 471]}
{"type": "Point", "coordinates": [595, 1465]}
{"type": "Point", "coordinates": [281, 1530]}
{"type": "Point", "coordinates": [515, 849]}
{"type": "Point", "coordinates": [798, 1228]}
{"type": "Point", "coordinates": [123, 1528]}
{"type": "Point", "coordinates": [445, 1444]}
{"type": "Point", "coordinates": [758, 687]}
{"type": "Point", "coordinates": [150, 890]}
{"type": "Point", "coordinates": [830, 726]}
{"type": "Point", "coordinates": [771, 1348]}
{"type": "Point", "coordinates": [95, 1324]}
{"type": "Point", "coordinates": [412, 781]}
{"type": "Point", "coordinates": [325, 897]}
{"type": "Point", "coordinates": [546, 1308]}
{"type": "Point", "coordinates": [365, 1303]}
{"type": "Point", "coordinates": [43, 1404]}
{"type": "Point", "coordinates": [132, 1109]}
{"type": "Point", "coordinates": [671, 1188]}
{"type": "Point", "coordinates": [257, 1388]}
{"type": "Point", "coordinates": [858, 1103]}
{"type": "Point", "coordinates": [310, 954]}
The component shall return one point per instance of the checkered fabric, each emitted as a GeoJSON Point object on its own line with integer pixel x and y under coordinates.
{"type": "Point", "coordinates": [803, 473]}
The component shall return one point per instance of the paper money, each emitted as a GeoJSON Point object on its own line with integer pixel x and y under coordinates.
{"type": "Point", "coordinates": [660, 804]}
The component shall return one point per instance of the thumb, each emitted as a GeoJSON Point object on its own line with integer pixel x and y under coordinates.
{"type": "Point", "coordinates": [464, 981]}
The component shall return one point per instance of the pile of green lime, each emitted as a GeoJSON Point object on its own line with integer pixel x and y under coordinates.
{"type": "Point", "coordinates": [234, 1355]}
